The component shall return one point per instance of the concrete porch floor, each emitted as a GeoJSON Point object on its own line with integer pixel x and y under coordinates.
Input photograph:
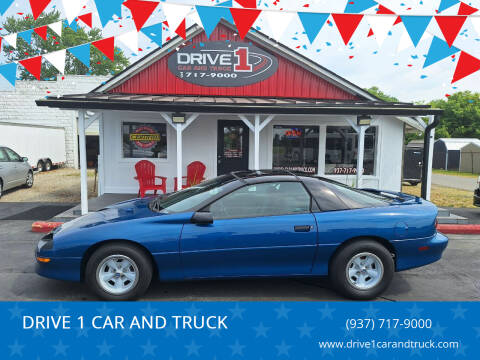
{"type": "Point", "coordinates": [94, 204]}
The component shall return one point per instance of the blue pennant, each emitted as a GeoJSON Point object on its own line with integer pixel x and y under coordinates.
{"type": "Point", "coordinates": [312, 23]}
{"type": "Point", "coordinates": [107, 8]}
{"type": "Point", "coordinates": [26, 35]}
{"type": "Point", "coordinates": [416, 26]}
{"type": "Point", "coordinates": [9, 72]}
{"type": "Point", "coordinates": [439, 50]}
{"type": "Point", "coordinates": [445, 4]}
{"type": "Point", "coordinates": [4, 5]}
{"type": "Point", "coordinates": [210, 16]}
{"type": "Point", "coordinates": [357, 6]}
{"type": "Point", "coordinates": [228, 3]}
{"type": "Point", "coordinates": [154, 32]}
{"type": "Point", "coordinates": [82, 53]}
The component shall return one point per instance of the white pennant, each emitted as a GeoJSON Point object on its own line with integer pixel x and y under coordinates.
{"type": "Point", "coordinates": [130, 39]}
{"type": "Point", "coordinates": [381, 25]}
{"type": "Point", "coordinates": [405, 42]}
{"type": "Point", "coordinates": [11, 39]}
{"type": "Point", "coordinates": [56, 27]}
{"type": "Point", "coordinates": [476, 23]}
{"type": "Point", "coordinates": [57, 59]}
{"type": "Point", "coordinates": [73, 8]}
{"type": "Point", "coordinates": [175, 14]}
{"type": "Point", "coordinates": [278, 22]}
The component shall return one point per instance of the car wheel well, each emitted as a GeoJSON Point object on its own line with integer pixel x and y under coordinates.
{"type": "Point", "coordinates": [380, 240]}
{"type": "Point", "coordinates": [98, 245]}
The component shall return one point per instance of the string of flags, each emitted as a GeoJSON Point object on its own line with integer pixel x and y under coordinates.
{"type": "Point", "coordinates": [243, 14]}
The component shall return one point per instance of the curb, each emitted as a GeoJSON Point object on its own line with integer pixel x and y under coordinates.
{"type": "Point", "coordinates": [45, 226]}
{"type": "Point", "coordinates": [463, 229]}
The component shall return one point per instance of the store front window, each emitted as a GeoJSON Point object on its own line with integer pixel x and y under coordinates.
{"type": "Point", "coordinates": [144, 140]}
{"type": "Point", "coordinates": [295, 148]}
{"type": "Point", "coordinates": [341, 151]}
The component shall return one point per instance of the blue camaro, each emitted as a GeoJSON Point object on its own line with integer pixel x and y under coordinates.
{"type": "Point", "coordinates": [247, 224]}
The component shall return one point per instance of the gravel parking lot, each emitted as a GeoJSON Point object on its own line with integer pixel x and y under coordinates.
{"type": "Point", "coordinates": [455, 277]}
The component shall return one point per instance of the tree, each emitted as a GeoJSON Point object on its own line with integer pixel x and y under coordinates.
{"type": "Point", "coordinates": [375, 91]}
{"type": "Point", "coordinates": [99, 65]}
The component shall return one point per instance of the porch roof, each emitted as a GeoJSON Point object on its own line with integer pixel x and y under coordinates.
{"type": "Point", "coordinates": [233, 105]}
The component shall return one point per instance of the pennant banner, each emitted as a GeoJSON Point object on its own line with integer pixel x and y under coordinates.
{"type": "Point", "coordinates": [244, 19]}
{"type": "Point", "coordinates": [445, 4]}
{"type": "Point", "coordinates": [357, 6]}
{"type": "Point", "coordinates": [278, 21]}
{"type": "Point", "coordinates": [416, 26]}
{"type": "Point", "coordinates": [38, 6]}
{"type": "Point", "coordinates": [210, 16]}
{"type": "Point", "coordinates": [9, 72]}
{"type": "Point", "coordinates": [450, 26]}
{"type": "Point", "coordinates": [141, 11]}
{"type": "Point", "coordinates": [467, 65]}
{"type": "Point", "coordinates": [347, 24]}
{"type": "Point", "coordinates": [129, 39]}
{"type": "Point", "coordinates": [106, 46]}
{"type": "Point", "coordinates": [106, 9]}
{"type": "Point", "coordinates": [86, 19]}
{"type": "Point", "coordinates": [439, 50]}
{"type": "Point", "coordinates": [381, 26]}
{"type": "Point", "coordinates": [42, 32]}
{"type": "Point", "coordinates": [312, 23]}
{"type": "Point", "coordinates": [57, 59]}
{"type": "Point", "coordinates": [154, 32]}
{"type": "Point", "coordinates": [33, 66]}
{"type": "Point", "coordinates": [82, 53]}
{"type": "Point", "coordinates": [26, 36]}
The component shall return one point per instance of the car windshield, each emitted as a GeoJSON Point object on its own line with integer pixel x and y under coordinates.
{"type": "Point", "coordinates": [187, 199]}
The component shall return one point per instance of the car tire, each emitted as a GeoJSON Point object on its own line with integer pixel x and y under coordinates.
{"type": "Point", "coordinates": [48, 165]}
{"type": "Point", "coordinates": [29, 181]}
{"type": "Point", "coordinates": [121, 255]}
{"type": "Point", "coordinates": [40, 166]}
{"type": "Point", "coordinates": [414, 183]}
{"type": "Point", "coordinates": [1, 188]}
{"type": "Point", "coordinates": [362, 270]}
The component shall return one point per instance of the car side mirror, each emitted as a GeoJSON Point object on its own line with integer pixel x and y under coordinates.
{"type": "Point", "coordinates": [202, 218]}
{"type": "Point", "coordinates": [24, 159]}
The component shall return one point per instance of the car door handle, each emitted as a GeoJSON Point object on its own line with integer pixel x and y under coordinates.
{"type": "Point", "coordinates": [302, 228]}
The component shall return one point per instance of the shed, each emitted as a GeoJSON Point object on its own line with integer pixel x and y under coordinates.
{"type": "Point", "coordinates": [447, 152]}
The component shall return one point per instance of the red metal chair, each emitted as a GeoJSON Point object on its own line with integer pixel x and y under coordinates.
{"type": "Point", "coordinates": [146, 178]}
{"type": "Point", "coordinates": [195, 172]}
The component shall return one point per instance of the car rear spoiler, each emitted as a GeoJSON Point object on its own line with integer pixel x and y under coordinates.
{"type": "Point", "coordinates": [399, 196]}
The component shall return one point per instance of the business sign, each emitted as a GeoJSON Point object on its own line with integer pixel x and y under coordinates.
{"type": "Point", "coordinates": [145, 137]}
{"type": "Point", "coordinates": [220, 63]}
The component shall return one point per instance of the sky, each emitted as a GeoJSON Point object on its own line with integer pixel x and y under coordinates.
{"type": "Point", "coordinates": [362, 62]}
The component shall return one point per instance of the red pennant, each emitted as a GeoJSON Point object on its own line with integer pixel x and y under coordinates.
{"type": "Point", "coordinates": [38, 6]}
{"type": "Point", "coordinates": [250, 4]}
{"type": "Point", "coordinates": [141, 11]}
{"type": "Point", "coordinates": [1, 42]}
{"type": "Point", "coordinates": [244, 19]}
{"type": "Point", "coordinates": [182, 29]}
{"type": "Point", "coordinates": [398, 21]}
{"type": "Point", "coordinates": [370, 33]}
{"type": "Point", "coordinates": [384, 11]}
{"type": "Point", "coordinates": [347, 24]}
{"type": "Point", "coordinates": [465, 9]}
{"type": "Point", "coordinates": [450, 26]}
{"type": "Point", "coordinates": [41, 31]}
{"type": "Point", "coordinates": [106, 46]}
{"type": "Point", "coordinates": [87, 19]}
{"type": "Point", "coordinates": [467, 65]}
{"type": "Point", "coordinates": [33, 66]}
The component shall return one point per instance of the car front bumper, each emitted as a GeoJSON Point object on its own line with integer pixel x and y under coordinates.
{"type": "Point", "coordinates": [60, 268]}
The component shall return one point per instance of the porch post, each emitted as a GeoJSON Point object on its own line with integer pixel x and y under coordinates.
{"type": "Point", "coordinates": [360, 151]}
{"type": "Point", "coordinates": [430, 160]}
{"type": "Point", "coordinates": [179, 157]}
{"type": "Point", "coordinates": [257, 142]}
{"type": "Point", "coordinates": [83, 162]}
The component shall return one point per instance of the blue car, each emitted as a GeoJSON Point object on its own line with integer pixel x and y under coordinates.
{"type": "Point", "coordinates": [247, 224]}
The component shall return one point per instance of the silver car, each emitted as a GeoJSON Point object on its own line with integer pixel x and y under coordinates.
{"type": "Point", "coordinates": [14, 170]}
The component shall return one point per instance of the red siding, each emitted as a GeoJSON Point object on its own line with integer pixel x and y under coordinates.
{"type": "Point", "coordinates": [290, 80]}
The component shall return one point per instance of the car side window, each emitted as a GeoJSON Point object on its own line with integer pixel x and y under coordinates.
{"type": "Point", "coordinates": [265, 199]}
{"type": "Point", "coordinates": [3, 156]}
{"type": "Point", "coordinates": [12, 155]}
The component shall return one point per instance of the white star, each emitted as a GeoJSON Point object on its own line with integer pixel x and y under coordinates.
{"type": "Point", "coordinates": [461, 350]}
{"type": "Point", "coordinates": [237, 349]}
{"type": "Point", "coordinates": [305, 330]}
{"type": "Point", "coordinates": [104, 310]}
{"type": "Point", "coordinates": [283, 349]}
{"type": "Point", "coordinates": [60, 310]}
{"type": "Point", "coordinates": [261, 330]}
{"type": "Point", "coordinates": [459, 312]}
{"type": "Point", "coordinates": [282, 311]}
{"type": "Point", "coordinates": [193, 348]}
{"type": "Point", "coordinates": [60, 348]}
{"type": "Point", "coordinates": [149, 310]}
{"type": "Point", "coordinates": [237, 311]}
{"type": "Point", "coordinates": [415, 311]}
{"type": "Point", "coordinates": [214, 332]}
{"type": "Point", "coordinates": [104, 348]}
{"type": "Point", "coordinates": [192, 310]}
{"type": "Point", "coordinates": [415, 351]}
{"type": "Point", "coordinates": [148, 348]}
{"type": "Point", "coordinates": [170, 330]}
{"type": "Point", "coordinates": [82, 332]}
{"type": "Point", "coordinates": [16, 312]}
{"type": "Point", "coordinates": [477, 329]}
{"type": "Point", "coordinates": [370, 312]}
{"type": "Point", "coordinates": [437, 330]}
{"type": "Point", "coordinates": [327, 312]}
{"type": "Point", "coordinates": [393, 332]}
{"type": "Point", "coordinates": [16, 349]}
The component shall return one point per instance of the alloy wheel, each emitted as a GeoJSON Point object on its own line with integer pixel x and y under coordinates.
{"type": "Point", "coordinates": [364, 271]}
{"type": "Point", "coordinates": [117, 274]}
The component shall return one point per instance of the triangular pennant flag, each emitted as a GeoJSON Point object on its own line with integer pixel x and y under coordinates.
{"type": "Point", "coordinates": [4, 5]}
{"type": "Point", "coordinates": [476, 24]}
{"type": "Point", "coordinates": [228, 3]}
{"type": "Point", "coordinates": [211, 15]}
{"type": "Point", "coordinates": [175, 14]}
{"type": "Point", "coordinates": [445, 4]}
{"type": "Point", "coordinates": [278, 21]}
{"type": "Point", "coordinates": [41, 31]}
{"type": "Point", "coordinates": [73, 25]}
{"type": "Point", "coordinates": [106, 46]}
{"type": "Point", "coordinates": [26, 35]}
{"type": "Point", "coordinates": [249, 4]}
{"type": "Point", "coordinates": [1, 43]}
{"type": "Point", "coordinates": [106, 9]}
{"type": "Point", "coordinates": [73, 8]}
{"type": "Point", "coordinates": [56, 27]}
{"type": "Point", "coordinates": [141, 11]}
{"type": "Point", "coordinates": [384, 10]}
{"type": "Point", "coordinates": [312, 23]}
{"type": "Point", "coordinates": [416, 26]}
{"type": "Point", "coordinates": [467, 65]}
{"type": "Point", "coordinates": [57, 59]}
{"type": "Point", "coordinates": [130, 39]}
{"type": "Point", "coordinates": [244, 19]}
{"type": "Point", "coordinates": [86, 19]}
{"type": "Point", "coordinates": [154, 32]}
{"type": "Point", "coordinates": [357, 6]}
{"type": "Point", "coordinates": [370, 32]}
{"type": "Point", "coordinates": [82, 53]}
{"type": "Point", "coordinates": [9, 72]}
{"type": "Point", "coordinates": [381, 26]}
{"type": "Point", "coordinates": [347, 24]}
{"type": "Point", "coordinates": [38, 6]}
{"type": "Point", "coordinates": [439, 50]}
{"type": "Point", "coordinates": [181, 30]}
{"type": "Point", "coordinates": [11, 39]}
{"type": "Point", "coordinates": [465, 9]}
{"type": "Point", "coordinates": [33, 66]}
{"type": "Point", "coordinates": [450, 26]}
{"type": "Point", "coordinates": [405, 42]}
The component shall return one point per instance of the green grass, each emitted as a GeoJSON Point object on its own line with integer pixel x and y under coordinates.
{"type": "Point", "coordinates": [455, 173]}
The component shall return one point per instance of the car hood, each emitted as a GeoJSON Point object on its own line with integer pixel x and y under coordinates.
{"type": "Point", "coordinates": [123, 211]}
